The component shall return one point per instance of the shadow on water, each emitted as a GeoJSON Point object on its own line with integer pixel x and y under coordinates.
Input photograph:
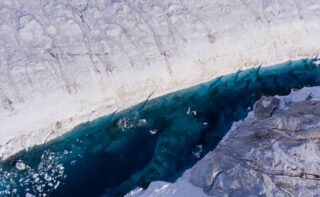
{"type": "Point", "coordinates": [155, 140]}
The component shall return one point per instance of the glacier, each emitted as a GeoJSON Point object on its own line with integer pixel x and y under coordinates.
{"type": "Point", "coordinates": [68, 62]}
{"type": "Point", "coordinates": [157, 139]}
{"type": "Point", "coordinates": [72, 70]}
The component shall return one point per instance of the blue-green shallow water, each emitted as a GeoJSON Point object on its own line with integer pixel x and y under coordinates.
{"type": "Point", "coordinates": [116, 153]}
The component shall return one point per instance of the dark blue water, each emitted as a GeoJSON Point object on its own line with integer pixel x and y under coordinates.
{"type": "Point", "coordinates": [155, 140]}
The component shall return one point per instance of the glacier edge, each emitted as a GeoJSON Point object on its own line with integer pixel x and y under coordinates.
{"type": "Point", "coordinates": [66, 63]}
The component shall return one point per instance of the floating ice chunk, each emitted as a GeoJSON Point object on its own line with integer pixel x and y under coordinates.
{"type": "Point", "coordinates": [60, 167]}
{"type": "Point", "coordinates": [30, 195]}
{"type": "Point", "coordinates": [56, 185]}
{"type": "Point", "coordinates": [188, 111]}
{"type": "Point", "coordinates": [197, 153]}
{"type": "Point", "coordinates": [142, 122]}
{"type": "Point", "coordinates": [47, 177]}
{"type": "Point", "coordinates": [122, 123]}
{"type": "Point", "coordinates": [20, 165]}
{"type": "Point", "coordinates": [153, 131]}
{"type": "Point", "coordinates": [35, 175]}
{"type": "Point", "coordinates": [39, 188]}
{"type": "Point", "coordinates": [317, 61]}
{"type": "Point", "coordinates": [128, 123]}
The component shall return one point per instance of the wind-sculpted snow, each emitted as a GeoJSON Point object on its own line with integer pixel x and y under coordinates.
{"type": "Point", "coordinates": [63, 63]}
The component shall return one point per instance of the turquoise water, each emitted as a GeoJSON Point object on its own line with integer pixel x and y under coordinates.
{"type": "Point", "coordinates": [155, 140]}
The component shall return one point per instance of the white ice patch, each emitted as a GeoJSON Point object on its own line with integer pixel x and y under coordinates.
{"type": "Point", "coordinates": [266, 103]}
{"type": "Point", "coordinates": [153, 132]}
{"type": "Point", "coordinates": [306, 93]}
{"type": "Point", "coordinates": [20, 165]}
{"type": "Point", "coordinates": [38, 181]}
{"type": "Point", "coordinates": [62, 71]}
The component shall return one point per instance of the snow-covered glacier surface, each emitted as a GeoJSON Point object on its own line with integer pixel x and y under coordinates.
{"type": "Point", "coordinates": [77, 65]}
{"type": "Point", "coordinates": [157, 139]}
{"type": "Point", "coordinates": [68, 62]}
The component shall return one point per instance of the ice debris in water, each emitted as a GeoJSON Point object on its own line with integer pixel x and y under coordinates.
{"type": "Point", "coordinates": [317, 61]}
{"type": "Point", "coordinates": [153, 131]}
{"type": "Point", "coordinates": [20, 165]}
{"type": "Point", "coordinates": [198, 152]}
{"type": "Point", "coordinates": [37, 180]}
{"type": "Point", "coordinates": [30, 195]}
{"type": "Point", "coordinates": [47, 177]}
{"type": "Point", "coordinates": [189, 112]}
{"type": "Point", "coordinates": [128, 123]}
{"type": "Point", "coordinates": [142, 122]}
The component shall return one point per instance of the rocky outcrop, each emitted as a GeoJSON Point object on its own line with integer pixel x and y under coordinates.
{"type": "Point", "coordinates": [273, 152]}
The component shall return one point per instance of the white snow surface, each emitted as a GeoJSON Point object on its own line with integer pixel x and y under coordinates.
{"type": "Point", "coordinates": [63, 63]}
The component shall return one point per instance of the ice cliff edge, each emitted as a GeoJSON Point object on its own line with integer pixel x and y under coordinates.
{"type": "Point", "coordinates": [67, 62]}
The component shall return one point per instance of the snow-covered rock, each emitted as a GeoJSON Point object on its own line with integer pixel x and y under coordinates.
{"type": "Point", "coordinates": [67, 62]}
{"type": "Point", "coordinates": [276, 154]}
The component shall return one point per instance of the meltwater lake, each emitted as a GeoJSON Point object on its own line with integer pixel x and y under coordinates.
{"type": "Point", "coordinates": [155, 140]}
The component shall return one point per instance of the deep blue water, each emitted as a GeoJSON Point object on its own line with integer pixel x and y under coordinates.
{"type": "Point", "coordinates": [155, 140]}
